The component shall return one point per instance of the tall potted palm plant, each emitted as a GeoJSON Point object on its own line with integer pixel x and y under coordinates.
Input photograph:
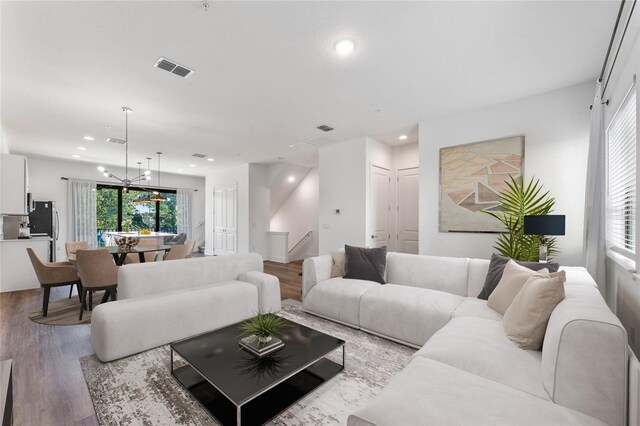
{"type": "Point", "coordinates": [517, 201]}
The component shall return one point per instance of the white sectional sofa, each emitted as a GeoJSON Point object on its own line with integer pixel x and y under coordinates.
{"type": "Point", "coordinates": [160, 302]}
{"type": "Point", "coordinates": [466, 370]}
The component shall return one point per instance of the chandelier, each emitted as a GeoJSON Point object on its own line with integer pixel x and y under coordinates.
{"type": "Point", "coordinates": [126, 182]}
{"type": "Point", "coordinates": [155, 194]}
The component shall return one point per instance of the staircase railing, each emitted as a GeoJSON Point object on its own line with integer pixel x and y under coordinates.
{"type": "Point", "coordinates": [307, 235]}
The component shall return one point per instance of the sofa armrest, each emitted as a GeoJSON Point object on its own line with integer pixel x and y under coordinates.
{"type": "Point", "coordinates": [315, 270]}
{"type": "Point", "coordinates": [268, 290]}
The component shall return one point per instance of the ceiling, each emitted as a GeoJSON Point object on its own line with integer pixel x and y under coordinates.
{"type": "Point", "coordinates": [266, 73]}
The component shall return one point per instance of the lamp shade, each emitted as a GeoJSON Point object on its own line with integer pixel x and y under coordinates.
{"type": "Point", "coordinates": [550, 224]}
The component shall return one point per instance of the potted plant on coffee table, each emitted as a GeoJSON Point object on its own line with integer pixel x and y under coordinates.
{"type": "Point", "coordinates": [259, 334]}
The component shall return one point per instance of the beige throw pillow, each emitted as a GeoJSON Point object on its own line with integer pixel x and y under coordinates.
{"type": "Point", "coordinates": [338, 264]}
{"type": "Point", "coordinates": [525, 322]}
{"type": "Point", "coordinates": [513, 278]}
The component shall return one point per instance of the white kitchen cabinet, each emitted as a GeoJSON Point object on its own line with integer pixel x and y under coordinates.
{"type": "Point", "coordinates": [16, 270]}
{"type": "Point", "coordinates": [14, 184]}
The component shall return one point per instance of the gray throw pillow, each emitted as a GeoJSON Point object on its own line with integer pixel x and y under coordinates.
{"type": "Point", "coordinates": [365, 263]}
{"type": "Point", "coordinates": [496, 268]}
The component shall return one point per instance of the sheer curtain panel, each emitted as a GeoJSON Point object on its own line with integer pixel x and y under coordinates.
{"type": "Point", "coordinates": [595, 213]}
{"type": "Point", "coordinates": [184, 214]}
{"type": "Point", "coordinates": [82, 211]}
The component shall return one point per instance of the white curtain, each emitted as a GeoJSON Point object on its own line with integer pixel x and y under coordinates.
{"type": "Point", "coordinates": [82, 211]}
{"type": "Point", "coordinates": [595, 204]}
{"type": "Point", "coordinates": [184, 215]}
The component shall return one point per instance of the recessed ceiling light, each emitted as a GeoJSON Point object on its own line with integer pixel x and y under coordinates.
{"type": "Point", "coordinates": [402, 137]}
{"type": "Point", "coordinates": [88, 138]}
{"type": "Point", "coordinates": [210, 159]}
{"type": "Point", "coordinates": [178, 170]}
{"type": "Point", "coordinates": [75, 156]}
{"type": "Point", "coordinates": [291, 178]}
{"type": "Point", "coordinates": [82, 148]}
{"type": "Point", "coordinates": [192, 165]}
{"type": "Point", "coordinates": [101, 169]}
{"type": "Point", "coordinates": [345, 47]}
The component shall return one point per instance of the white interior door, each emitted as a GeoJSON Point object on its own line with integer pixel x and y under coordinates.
{"type": "Point", "coordinates": [230, 213]}
{"type": "Point", "coordinates": [225, 218]}
{"type": "Point", "coordinates": [408, 184]}
{"type": "Point", "coordinates": [219, 220]}
{"type": "Point", "coordinates": [380, 206]}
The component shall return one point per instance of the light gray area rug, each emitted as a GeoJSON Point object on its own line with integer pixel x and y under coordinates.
{"type": "Point", "coordinates": [140, 389]}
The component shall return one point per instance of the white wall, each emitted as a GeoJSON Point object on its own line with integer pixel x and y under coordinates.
{"type": "Point", "coordinates": [556, 128]}
{"type": "Point", "coordinates": [4, 142]}
{"type": "Point", "coordinates": [46, 185]}
{"type": "Point", "coordinates": [342, 177]}
{"type": "Point", "coordinates": [299, 215]}
{"type": "Point", "coordinates": [406, 156]}
{"type": "Point", "coordinates": [235, 176]}
{"type": "Point", "coordinates": [259, 211]}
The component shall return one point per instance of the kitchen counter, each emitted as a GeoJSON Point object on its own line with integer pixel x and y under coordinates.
{"type": "Point", "coordinates": [16, 270]}
{"type": "Point", "coordinates": [25, 240]}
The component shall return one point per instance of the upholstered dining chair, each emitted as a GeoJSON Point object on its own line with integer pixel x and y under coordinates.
{"type": "Point", "coordinates": [178, 239]}
{"type": "Point", "coordinates": [191, 244]}
{"type": "Point", "coordinates": [53, 274]}
{"type": "Point", "coordinates": [179, 251]}
{"type": "Point", "coordinates": [71, 247]}
{"type": "Point", "coordinates": [97, 272]}
{"type": "Point", "coordinates": [149, 256]}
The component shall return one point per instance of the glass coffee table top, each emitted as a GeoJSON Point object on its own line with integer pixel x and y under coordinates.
{"type": "Point", "coordinates": [240, 375]}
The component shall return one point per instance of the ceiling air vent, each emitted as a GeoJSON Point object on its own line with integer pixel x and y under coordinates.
{"type": "Point", "coordinates": [325, 128]}
{"type": "Point", "coordinates": [173, 68]}
{"type": "Point", "coordinates": [116, 140]}
{"type": "Point", "coordinates": [198, 155]}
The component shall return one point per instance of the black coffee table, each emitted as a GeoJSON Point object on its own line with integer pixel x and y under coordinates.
{"type": "Point", "coordinates": [236, 387]}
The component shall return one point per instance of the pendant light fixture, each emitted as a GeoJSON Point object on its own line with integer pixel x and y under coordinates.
{"type": "Point", "coordinates": [156, 196]}
{"type": "Point", "coordinates": [126, 182]}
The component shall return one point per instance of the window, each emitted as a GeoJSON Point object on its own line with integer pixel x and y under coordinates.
{"type": "Point", "coordinates": [621, 178]}
{"type": "Point", "coordinates": [116, 211]}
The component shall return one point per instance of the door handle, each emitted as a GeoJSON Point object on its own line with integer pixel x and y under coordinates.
{"type": "Point", "coordinates": [373, 236]}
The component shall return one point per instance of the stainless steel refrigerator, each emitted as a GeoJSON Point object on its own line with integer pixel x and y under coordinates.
{"type": "Point", "coordinates": [44, 221]}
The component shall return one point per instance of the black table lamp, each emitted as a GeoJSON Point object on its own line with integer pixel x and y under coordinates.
{"type": "Point", "coordinates": [550, 224]}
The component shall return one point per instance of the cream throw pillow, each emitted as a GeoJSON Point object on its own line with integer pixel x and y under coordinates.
{"type": "Point", "coordinates": [525, 322]}
{"type": "Point", "coordinates": [338, 264]}
{"type": "Point", "coordinates": [513, 278]}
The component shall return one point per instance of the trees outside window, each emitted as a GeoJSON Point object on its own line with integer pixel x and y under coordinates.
{"type": "Point", "coordinates": [117, 211]}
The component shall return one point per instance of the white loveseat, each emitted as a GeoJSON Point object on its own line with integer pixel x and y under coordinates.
{"type": "Point", "coordinates": [466, 370]}
{"type": "Point", "coordinates": [160, 302]}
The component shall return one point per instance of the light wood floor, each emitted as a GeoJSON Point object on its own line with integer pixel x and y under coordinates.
{"type": "Point", "coordinates": [48, 385]}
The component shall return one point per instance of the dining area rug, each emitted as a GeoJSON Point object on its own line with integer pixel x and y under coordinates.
{"type": "Point", "coordinates": [65, 311]}
{"type": "Point", "coordinates": [140, 389]}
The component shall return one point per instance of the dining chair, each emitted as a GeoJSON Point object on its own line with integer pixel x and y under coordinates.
{"type": "Point", "coordinates": [179, 251]}
{"type": "Point", "coordinates": [97, 272]}
{"type": "Point", "coordinates": [191, 244]}
{"type": "Point", "coordinates": [53, 274]}
{"type": "Point", "coordinates": [149, 256]}
{"type": "Point", "coordinates": [71, 247]}
{"type": "Point", "coordinates": [178, 239]}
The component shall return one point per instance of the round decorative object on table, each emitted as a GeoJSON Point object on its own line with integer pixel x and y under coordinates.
{"type": "Point", "coordinates": [127, 243]}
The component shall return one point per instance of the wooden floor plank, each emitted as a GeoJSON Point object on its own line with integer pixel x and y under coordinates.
{"type": "Point", "coordinates": [287, 273]}
{"type": "Point", "coordinates": [49, 388]}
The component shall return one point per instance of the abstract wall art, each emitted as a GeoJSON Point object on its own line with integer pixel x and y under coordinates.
{"type": "Point", "coordinates": [471, 176]}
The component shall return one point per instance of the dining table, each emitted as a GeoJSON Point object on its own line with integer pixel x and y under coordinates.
{"type": "Point", "coordinates": [120, 254]}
